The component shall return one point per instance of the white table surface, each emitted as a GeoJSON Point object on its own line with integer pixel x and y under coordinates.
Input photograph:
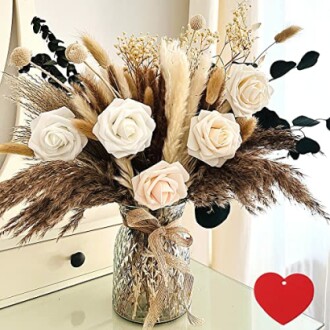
{"type": "Point", "coordinates": [222, 302]}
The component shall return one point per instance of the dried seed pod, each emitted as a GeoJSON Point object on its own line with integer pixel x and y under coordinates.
{"type": "Point", "coordinates": [20, 57]}
{"type": "Point", "coordinates": [197, 22]}
{"type": "Point", "coordinates": [76, 53]}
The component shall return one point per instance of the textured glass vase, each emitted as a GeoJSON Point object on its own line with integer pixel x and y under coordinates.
{"type": "Point", "coordinates": [136, 276]}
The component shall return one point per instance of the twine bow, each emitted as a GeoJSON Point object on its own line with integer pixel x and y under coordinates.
{"type": "Point", "coordinates": [143, 221]}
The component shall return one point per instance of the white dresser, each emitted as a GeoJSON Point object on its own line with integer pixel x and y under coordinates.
{"type": "Point", "coordinates": [49, 265]}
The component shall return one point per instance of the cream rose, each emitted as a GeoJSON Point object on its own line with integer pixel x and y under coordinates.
{"type": "Point", "coordinates": [125, 127]}
{"type": "Point", "coordinates": [247, 90]}
{"type": "Point", "coordinates": [160, 185]}
{"type": "Point", "coordinates": [214, 137]}
{"type": "Point", "coordinates": [53, 136]}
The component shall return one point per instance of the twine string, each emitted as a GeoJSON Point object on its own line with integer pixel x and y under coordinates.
{"type": "Point", "coordinates": [141, 220]}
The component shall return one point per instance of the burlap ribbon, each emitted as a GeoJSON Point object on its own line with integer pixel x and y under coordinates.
{"type": "Point", "coordinates": [141, 220]}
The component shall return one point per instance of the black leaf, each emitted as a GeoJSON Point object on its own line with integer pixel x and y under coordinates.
{"type": "Point", "coordinates": [36, 27]}
{"type": "Point", "coordinates": [51, 62]}
{"type": "Point", "coordinates": [304, 121]}
{"type": "Point", "coordinates": [211, 218]}
{"type": "Point", "coordinates": [53, 45]}
{"type": "Point", "coordinates": [71, 69]}
{"type": "Point", "coordinates": [62, 61]}
{"type": "Point", "coordinates": [270, 119]}
{"type": "Point", "coordinates": [73, 79]}
{"type": "Point", "coordinates": [41, 59]}
{"type": "Point", "coordinates": [294, 155]}
{"type": "Point", "coordinates": [328, 123]}
{"type": "Point", "coordinates": [51, 37]}
{"type": "Point", "coordinates": [308, 60]}
{"type": "Point", "coordinates": [284, 124]}
{"type": "Point", "coordinates": [280, 68]}
{"type": "Point", "coordinates": [25, 69]}
{"type": "Point", "coordinates": [60, 49]}
{"type": "Point", "coordinates": [307, 145]}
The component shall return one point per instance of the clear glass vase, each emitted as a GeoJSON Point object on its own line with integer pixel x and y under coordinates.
{"type": "Point", "coordinates": [136, 276]}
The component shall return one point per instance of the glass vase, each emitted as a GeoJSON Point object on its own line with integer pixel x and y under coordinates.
{"type": "Point", "coordinates": [136, 275]}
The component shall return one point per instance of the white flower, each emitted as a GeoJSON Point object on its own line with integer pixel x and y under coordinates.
{"type": "Point", "coordinates": [247, 90]}
{"type": "Point", "coordinates": [54, 137]}
{"type": "Point", "coordinates": [160, 185]}
{"type": "Point", "coordinates": [125, 127]}
{"type": "Point", "coordinates": [213, 137]}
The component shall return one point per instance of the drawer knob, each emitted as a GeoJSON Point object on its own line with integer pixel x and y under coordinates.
{"type": "Point", "coordinates": [77, 259]}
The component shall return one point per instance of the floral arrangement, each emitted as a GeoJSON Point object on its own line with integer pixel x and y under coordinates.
{"type": "Point", "coordinates": [172, 123]}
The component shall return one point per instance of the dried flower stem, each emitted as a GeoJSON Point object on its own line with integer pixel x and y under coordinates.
{"type": "Point", "coordinates": [51, 76]}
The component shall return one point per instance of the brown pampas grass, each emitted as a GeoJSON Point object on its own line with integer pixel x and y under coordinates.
{"type": "Point", "coordinates": [154, 152]}
{"type": "Point", "coordinates": [252, 180]}
{"type": "Point", "coordinates": [35, 94]}
{"type": "Point", "coordinates": [17, 149]}
{"type": "Point", "coordinates": [215, 85]}
{"type": "Point", "coordinates": [175, 70]}
{"type": "Point", "coordinates": [58, 187]}
{"type": "Point", "coordinates": [271, 140]}
{"type": "Point", "coordinates": [247, 125]}
{"type": "Point", "coordinates": [85, 127]}
{"type": "Point", "coordinates": [97, 51]}
{"type": "Point", "coordinates": [131, 85]}
{"type": "Point", "coordinates": [287, 33]}
{"type": "Point", "coordinates": [149, 97]}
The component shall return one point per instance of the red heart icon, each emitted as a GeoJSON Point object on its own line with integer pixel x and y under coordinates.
{"type": "Point", "coordinates": [283, 299]}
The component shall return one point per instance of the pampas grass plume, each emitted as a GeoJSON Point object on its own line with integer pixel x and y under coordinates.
{"type": "Point", "coordinates": [247, 125]}
{"type": "Point", "coordinates": [85, 128]}
{"type": "Point", "coordinates": [17, 149]}
{"type": "Point", "coordinates": [149, 97]}
{"type": "Point", "coordinates": [96, 50]}
{"type": "Point", "coordinates": [287, 33]}
{"type": "Point", "coordinates": [214, 85]}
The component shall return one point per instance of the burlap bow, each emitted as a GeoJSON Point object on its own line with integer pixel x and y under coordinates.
{"type": "Point", "coordinates": [143, 221]}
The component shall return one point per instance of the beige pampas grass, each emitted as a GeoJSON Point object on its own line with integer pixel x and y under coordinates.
{"type": "Point", "coordinates": [215, 85]}
{"type": "Point", "coordinates": [96, 50]}
{"type": "Point", "coordinates": [247, 125]}
{"type": "Point", "coordinates": [80, 106]}
{"type": "Point", "coordinates": [126, 173]}
{"type": "Point", "coordinates": [224, 107]}
{"type": "Point", "coordinates": [148, 98]}
{"type": "Point", "coordinates": [174, 67]}
{"type": "Point", "coordinates": [17, 149]}
{"type": "Point", "coordinates": [123, 86]}
{"type": "Point", "coordinates": [84, 127]}
{"type": "Point", "coordinates": [20, 57]}
{"type": "Point", "coordinates": [287, 33]}
{"type": "Point", "coordinates": [96, 91]}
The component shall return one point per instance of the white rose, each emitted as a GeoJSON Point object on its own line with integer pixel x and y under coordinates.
{"type": "Point", "coordinates": [54, 137]}
{"type": "Point", "coordinates": [160, 185]}
{"type": "Point", "coordinates": [214, 137]}
{"type": "Point", "coordinates": [125, 127]}
{"type": "Point", "coordinates": [247, 90]}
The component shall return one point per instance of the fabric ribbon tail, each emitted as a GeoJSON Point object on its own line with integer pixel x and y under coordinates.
{"type": "Point", "coordinates": [194, 320]}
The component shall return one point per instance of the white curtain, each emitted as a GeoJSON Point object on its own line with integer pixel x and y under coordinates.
{"type": "Point", "coordinates": [287, 239]}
